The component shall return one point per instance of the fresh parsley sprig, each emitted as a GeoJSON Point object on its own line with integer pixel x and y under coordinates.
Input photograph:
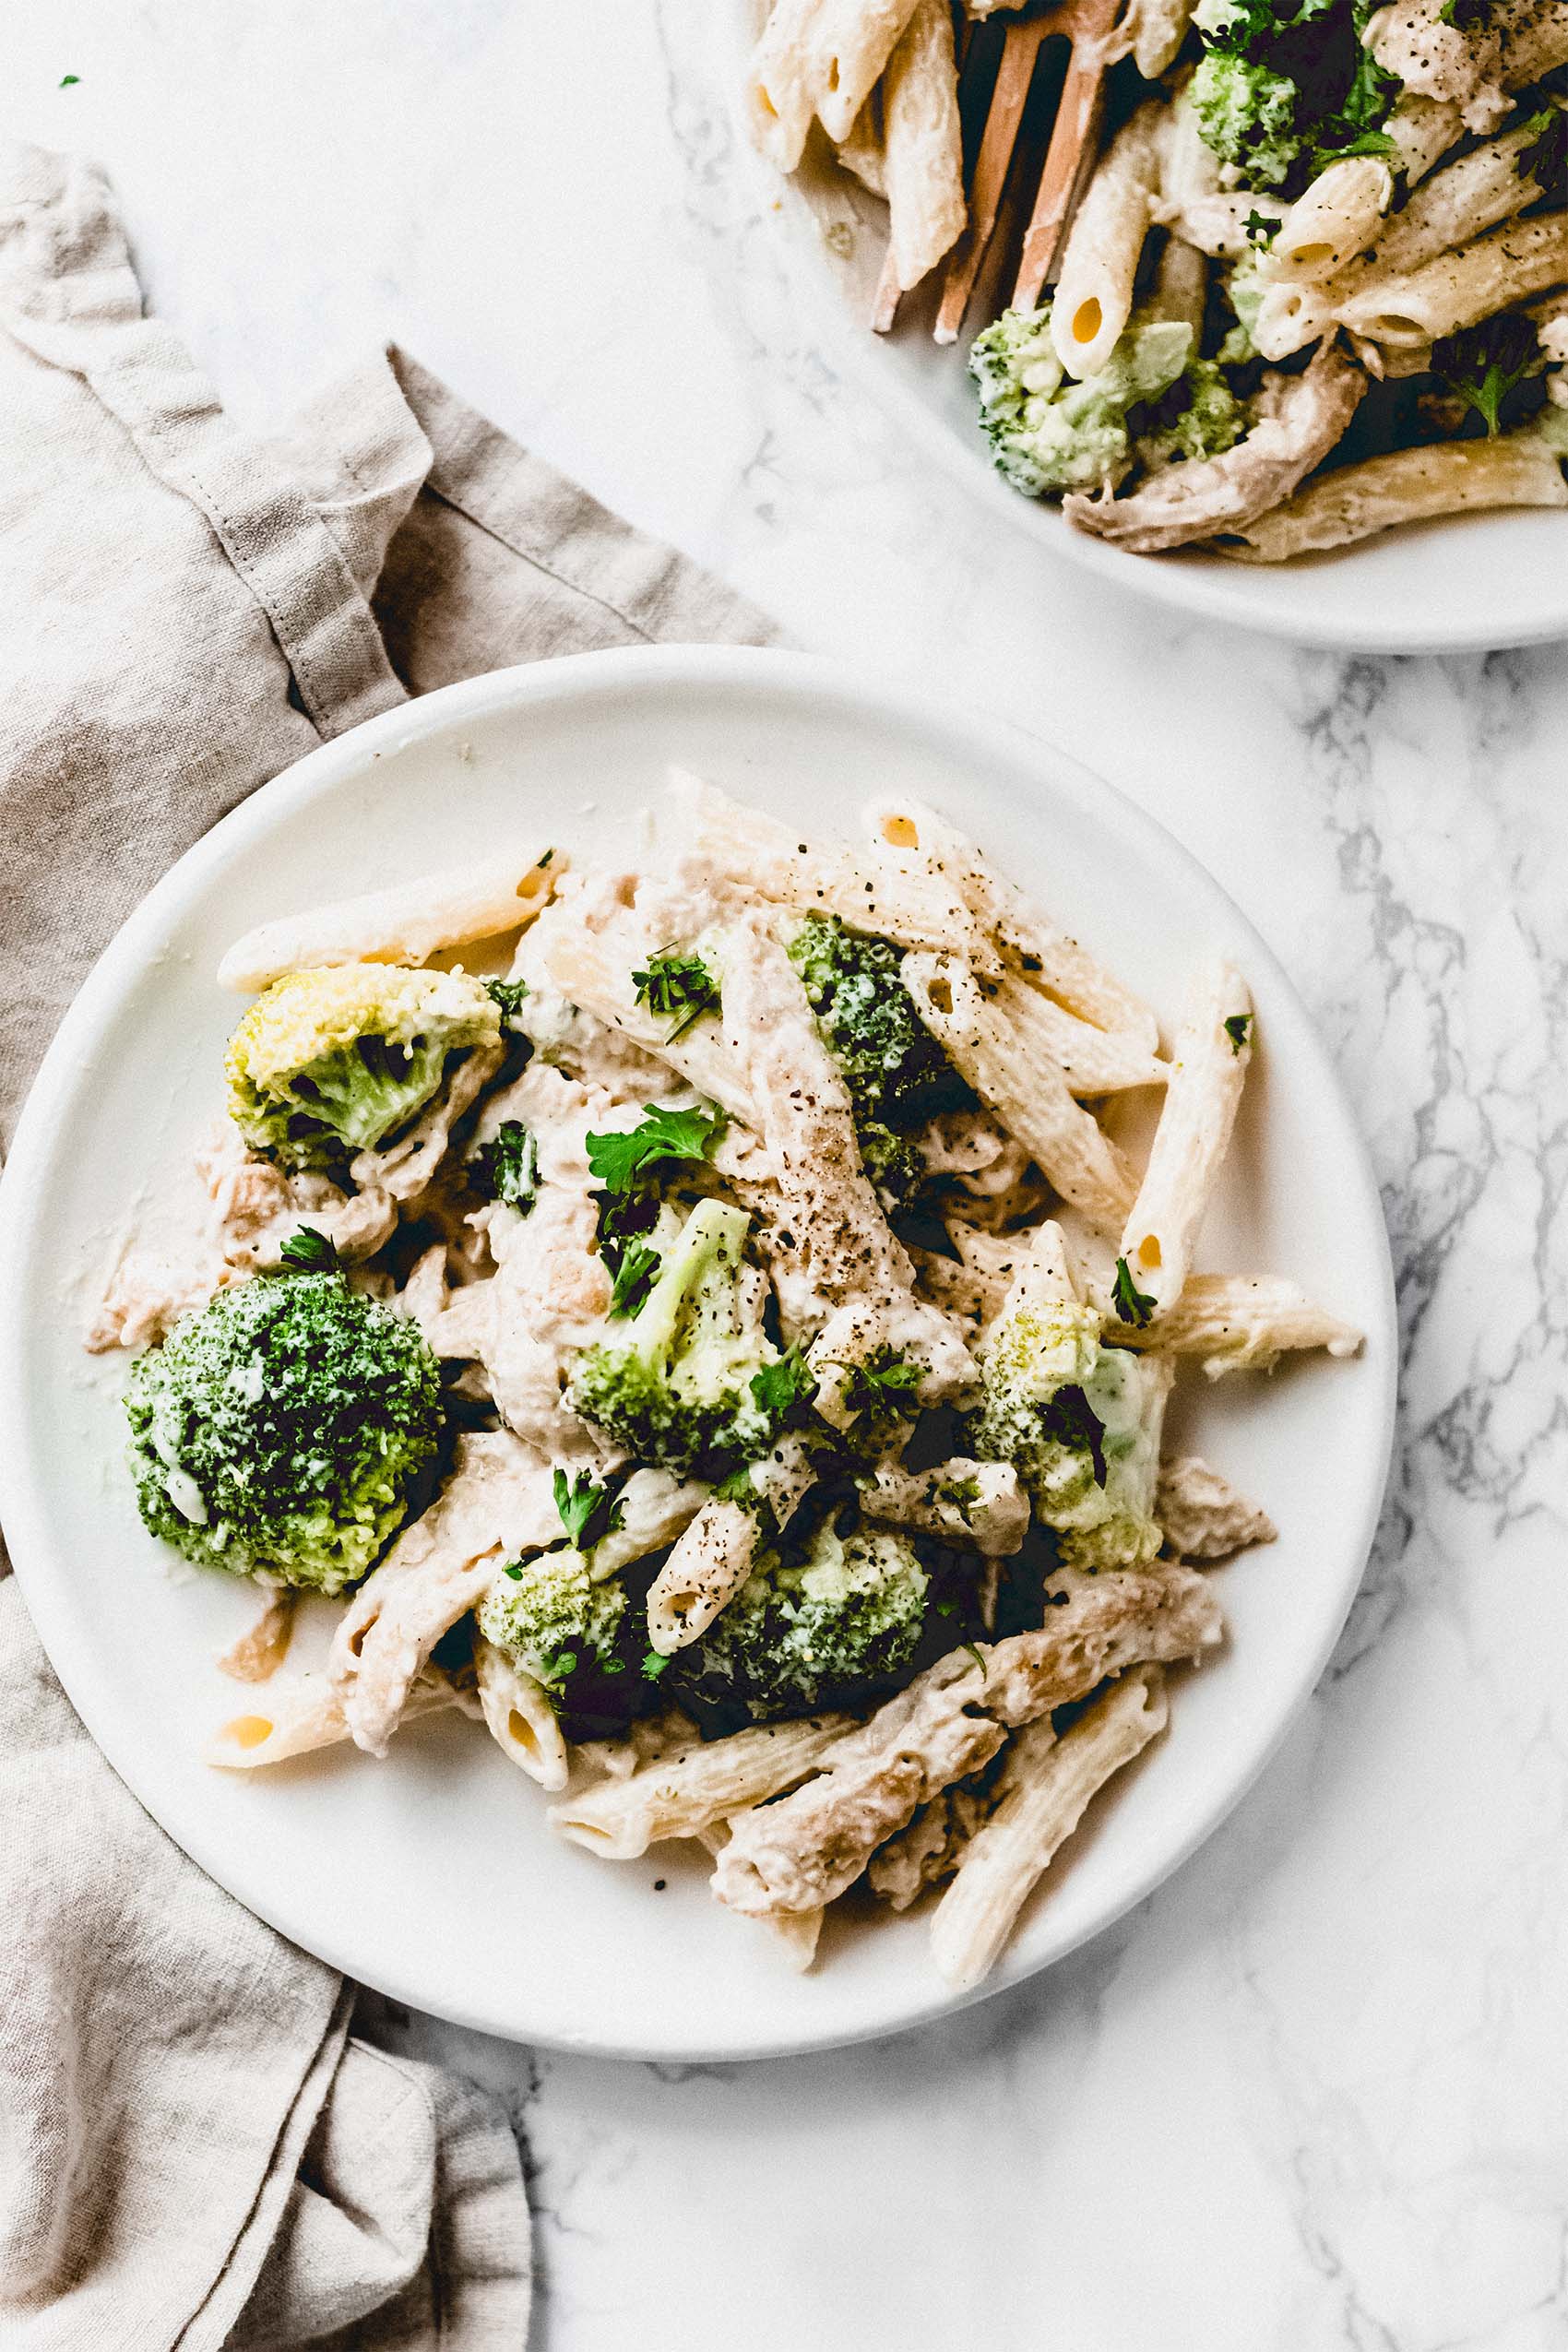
{"type": "Point", "coordinates": [586, 1511]}
{"type": "Point", "coordinates": [634, 1275]}
{"type": "Point", "coordinates": [1133, 1305]}
{"type": "Point", "coordinates": [308, 1252]}
{"type": "Point", "coordinates": [506, 1167]}
{"type": "Point", "coordinates": [1483, 364]}
{"type": "Point", "coordinates": [618, 1161]}
{"type": "Point", "coordinates": [882, 1386]}
{"type": "Point", "coordinates": [679, 988]}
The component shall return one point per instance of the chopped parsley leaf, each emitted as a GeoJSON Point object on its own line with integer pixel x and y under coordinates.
{"type": "Point", "coordinates": [1134, 1306]}
{"type": "Point", "coordinates": [680, 988]}
{"type": "Point", "coordinates": [882, 1386]}
{"type": "Point", "coordinates": [1483, 364]}
{"type": "Point", "coordinates": [654, 1664]}
{"type": "Point", "coordinates": [779, 1387]}
{"type": "Point", "coordinates": [618, 1160]}
{"type": "Point", "coordinates": [308, 1252]}
{"type": "Point", "coordinates": [1238, 1029]}
{"type": "Point", "coordinates": [632, 1279]}
{"type": "Point", "coordinates": [508, 995]}
{"type": "Point", "coordinates": [507, 1168]}
{"type": "Point", "coordinates": [1260, 229]}
{"type": "Point", "coordinates": [579, 1501]}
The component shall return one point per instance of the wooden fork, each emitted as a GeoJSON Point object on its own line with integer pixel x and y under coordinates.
{"type": "Point", "coordinates": [1093, 28]}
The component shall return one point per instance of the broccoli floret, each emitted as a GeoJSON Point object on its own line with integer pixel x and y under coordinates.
{"type": "Point", "coordinates": [680, 1390]}
{"type": "Point", "coordinates": [1199, 417]}
{"type": "Point", "coordinates": [798, 1640]}
{"type": "Point", "coordinates": [1073, 1419]}
{"type": "Point", "coordinates": [331, 1063]}
{"type": "Point", "coordinates": [1248, 116]}
{"type": "Point", "coordinates": [584, 1641]}
{"type": "Point", "coordinates": [899, 1076]}
{"type": "Point", "coordinates": [281, 1427]}
{"type": "Point", "coordinates": [1050, 434]}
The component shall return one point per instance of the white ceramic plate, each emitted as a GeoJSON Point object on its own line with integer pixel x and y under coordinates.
{"type": "Point", "coordinates": [433, 1875]}
{"type": "Point", "coordinates": [1477, 580]}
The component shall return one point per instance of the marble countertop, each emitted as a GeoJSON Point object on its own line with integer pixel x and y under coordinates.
{"type": "Point", "coordinates": [1315, 2091]}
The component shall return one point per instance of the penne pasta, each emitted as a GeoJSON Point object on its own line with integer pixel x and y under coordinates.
{"type": "Point", "coordinates": [1027, 1091]}
{"type": "Point", "coordinates": [1240, 1323]}
{"type": "Point", "coordinates": [1203, 1515]}
{"type": "Point", "coordinates": [300, 1716]}
{"type": "Point", "coordinates": [1156, 29]}
{"type": "Point", "coordinates": [923, 156]}
{"type": "Point", "coordinates": [1455, 290]}
{"type": "Point", "coordinates": [1406, 486]}
{"type": "Point", "coordinates": [1045, 1787]}
{"type": "Point", "coordinates": [406, 925]}
{"type": "Point", "coordinates": [1094, 291]}
{"type": "Point", "coordinates": [1209, 1069]}
{"type": "Point", "coordinates": [682, 1794]}
{"type": "Point", "coordinates": [1335, 218]}
{"type": "Point", "coordinates": [519, 1718]}
{"type": "Point", "coordinates": [821, 58]}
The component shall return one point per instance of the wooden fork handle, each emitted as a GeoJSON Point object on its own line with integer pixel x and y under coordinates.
{"type": "Point", "coordinates": [1019, 51]}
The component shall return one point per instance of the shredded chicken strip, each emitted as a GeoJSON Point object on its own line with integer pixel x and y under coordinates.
{"type": "Point", "coordinates": [499, 1502]}
{"type": "Point", "coordinates": [809, 1847]}
{"type": "Point", "coordinates": [979, 1506]}
{"type": "Point", "coordinates": [1306, 415]}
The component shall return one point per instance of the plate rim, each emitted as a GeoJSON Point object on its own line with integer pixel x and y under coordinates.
{"type": "Point", "coordinates": [581, 677]}
{"type": "Point", "coordinates": [1212, 594]}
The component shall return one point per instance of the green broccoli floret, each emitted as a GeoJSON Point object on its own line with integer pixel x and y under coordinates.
{"type": "Point", "coordinates": [680, 1390]}
{"type": "Point", "coordinates": [799, 1640]}
{"type": "Point", "coordinates": [899, 1076]}
{"type": "Point", "coordinates": [334, 1062]}
{"type": "Point", "coordinates": [1073, 1417]}
{"type": "Point", "coordinates": [583, 1640]}
{"type": "Point", "coordinates": [281, 1427]}
{"type": "Point", "coordinates": [1199, 417]}
{"type": "Point", "coordinates": [1050, 434]}
{"type": "Point", "coordinates": [1284, 86]}
{"type": "Point", "coordinates": [1247, 115]}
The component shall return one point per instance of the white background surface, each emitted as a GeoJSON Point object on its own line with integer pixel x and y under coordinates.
{"type": "Point", "coordinates": [1317, 2092]}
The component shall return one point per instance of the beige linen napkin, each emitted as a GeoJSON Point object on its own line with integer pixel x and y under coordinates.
{"type": "Point", "coordinates": [192, 2149]}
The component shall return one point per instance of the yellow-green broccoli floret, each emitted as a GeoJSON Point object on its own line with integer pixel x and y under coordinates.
{"type": "Point", "coordinates": [1247, 115]}
{"type": "Point", "coordinates": [798, 1640]}
{"type": "Point", "coordinates": [281, 1427]}
{"type": "Point", "coordinates": [333, 1061]}
{"type": "Point", "coordinates": [1199, 417]}
{"type": "Point", "coordinates": [685, 1388]}
{"type": "Point", "coordinates": [899, 1078]}
{"type": "Point", "coordinates": [583, 1640]}
{"type": "Point", "coordinates": [1049, 434]}
{"type": "Point", "coordinates": [1287, 85]}
{"type": "Point", "coordinates": [1078, 1423]}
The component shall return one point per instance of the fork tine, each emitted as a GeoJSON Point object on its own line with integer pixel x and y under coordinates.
{"type": "Point", "coordinates": [1020, 49]}
{"type": "Point", "coordinates": [1072, 138]}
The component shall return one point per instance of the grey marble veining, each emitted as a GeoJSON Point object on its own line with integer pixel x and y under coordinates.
{"type": "Point", "coordinates": [1314, 2092]}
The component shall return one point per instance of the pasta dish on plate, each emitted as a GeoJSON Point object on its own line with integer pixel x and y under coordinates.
{"type": "Point", "coordinates": [710, 1319]}
{"type": "Point", "coordinates": [1307, 259]}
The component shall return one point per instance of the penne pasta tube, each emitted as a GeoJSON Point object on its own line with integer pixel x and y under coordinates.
{"type": "Point", "coordinates": [1042, 1792]}
{"type": "Point", "coordinates": [406, 925]}
{"type": "Point", "coordinates": [519, 1718]}
{"type": "Point", "coordinates": [707, 1567]}
{"type": "Point", "coordinates": [1460, 202]}
{"type": "Point", "coordinates": [1092, 1061]}
{"type": "Point", "coordinates": [795, 1935]}
{"type": "Point", "coordinates": [1470, 63]}
{"type": "Point", "coordinates": [582, 968]}
{"type": "Point", "coordinates": [303, 1714]}
{"type": "Point", "coordinates": [1026, 1089]}
{"type": "Point", "coordinates": [922, 158]}
{"type": "Point", "coordinates": [1059, 966]}
{"type": "Point", "coordinates": [812, 1846]}
{"type": "Point", "coordinates": [1194, 1134]}
{"type": "Point", "coordinates": [682, 1794]}
{"type": "Point", "coordinates": [1156, 29]}
{"type": "Point", "coordinates": [263, 1646]}
{"type": "Point", "coordinates": [1456, 290]}
{"type": "Point", "coordinates": [1094, 291]}
{"type": "Point", "coordinates": [1181, 286]}
{"type": "Point", "coordinates": [1337, 218]}
{"type": "Point", "coordinates": [885, 892]}
{"type": "Point", "coordinates": [1240, 1323]}
{"type": "Point", "coordinates": [822, 59]}
{"type": "Point", "coordinates": [1406, 486]}
{"type": "Point", "coordinates": [861, 154]}
{"type": "Point", "coordinates": [1422, 130]}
